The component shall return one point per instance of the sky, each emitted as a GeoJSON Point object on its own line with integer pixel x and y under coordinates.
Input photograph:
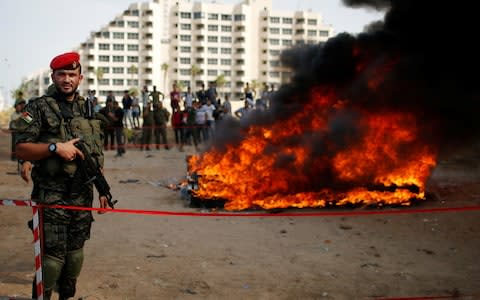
{"type": "Point", "coordinates": [33, 31]}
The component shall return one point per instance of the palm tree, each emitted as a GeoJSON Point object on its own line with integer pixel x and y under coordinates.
{"type": "Point", "coordinates": [255, 86]}
{"type": "Point", "coordinates": [220, 82]}
{"type": "Point", "coordinates": [133, 70]}
{"type": "Point", "coordinates": [195, 70]}
{"type": "Point", "coordinates": [164, 68]}
{"type": "Point", "coordinates": [99, 74]}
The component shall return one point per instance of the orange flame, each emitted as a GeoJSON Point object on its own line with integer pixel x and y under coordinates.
{"type": "Point", "coordinates": [380, 165]}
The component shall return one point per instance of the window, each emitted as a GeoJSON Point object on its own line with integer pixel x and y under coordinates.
{"type": "Point", "coordinates": [312, 33]}
{"type": "Point", "coordinates": [226, 17]}
{"type": "Point", "coordinates": [104, 81]}
{"type": "Point", "coordinates": [213, 16]}
{"type": "Point", "coordinates": [185, 49]}
{"type": "Point", "coordinates": [185, 38]}
{"type": "Point", "coordinates": [117, 58]}
{"type": "Point", "coordinates": [132, 82]}
{"type": "Point", "coordinates": [212, 27]}
{"type": "Point", "coordinates": [226, 62]}
{"type": "Point", "coordinates": [118, 47]}
{"type": "Point", "coordinates": [226, 51]}
{"type": "Point", "coordinates": [104, 46]}
{"type": "Point", "coordinates": [300, 21]}
{"type": "Point", "coordinates": [185, 60]}
{"type": "Point", "coordinates": [105, 70]}
{"type": "Point", "coordinates": [312, 22]}
{"type": "Point", "coordinates": [133, 24]}
{"type": "Point", "coordinates": [118, 35]}
{"type": "Point", "coordinates": [132, 58]}
{"type": "Point", "coordinates": [117, 81]}
{"type": "Point", "coordinates": [287, 42]}
{"type": "Point", "coordinates": [274, 63]}
{"type": "Point", "coordinates": [274, 20]}
{"type": "Point", "coordinates": [239, 17]}
{"type": "Point", "coordinates": [120, 23]}
{"type": "Point", "coordinates": [323, 32]}
{"type": "Point", "coordinates": [186, 26]}
{"type": "Point", "coordinates": [103, 58]}
{"type": "Point", "coordinates": [226, 28]}
{"type": "Point", "coordinates": [185, 71]}
{"type": "Point", "coordinates": [274, 52]}
{"type": "Point", "coordinates": [135, 12]}
{"type": "Point", "coordinates": [198, 15]}
{"type": "Point", "coordinates": [132, 69]}
{"type": "Point", "coordinates": [212, 61]}
{"type": "Point", "coordinates": [212, 50]}
{"type": "Point", "coordinates": [226, 39]}
{"type": "Point", "coordinates": [132, 47]}
{"type": "Point", "coordinates": [212, 39]}
{"type": "Point", "coordinates": [287, 31]}
{"type": "Point", "coordinates": [185, 15]}
{"type": "Point", "coordinates": [118, 70]}
{"type": "Point", "coordinates": [287, 20]}
{"type": "Point", "coordinates": [106, 34]}
{"type": "Point", "coordinates": [274, 30]}
{"type": "Point", "coordinates": [274, 42]}
{"type": "Point", "coordinates": [274, 74]}
{"type": "Point", "coordinates": [227, 73]}
{"type": "Point", "coordinates": [212, 72]}
{"type": "Point", "coordinates": [132, 36]}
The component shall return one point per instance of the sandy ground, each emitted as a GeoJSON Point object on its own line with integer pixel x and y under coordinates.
{"type": "Point", "coordinates": [330, 257]}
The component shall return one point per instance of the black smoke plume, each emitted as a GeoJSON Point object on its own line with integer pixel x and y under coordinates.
{"type": "Point", "coordinates": [431, 60]}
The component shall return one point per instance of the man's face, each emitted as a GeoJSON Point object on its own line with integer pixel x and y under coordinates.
{"type": "Point", "coordinates": [67, 81]}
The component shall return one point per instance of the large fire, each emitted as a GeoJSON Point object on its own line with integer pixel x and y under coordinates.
{"type": "Point", "coordinates": [382, 161]}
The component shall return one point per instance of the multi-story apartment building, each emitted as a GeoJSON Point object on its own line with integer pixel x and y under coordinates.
{"type": "Point", "coordinates": [161, 42]}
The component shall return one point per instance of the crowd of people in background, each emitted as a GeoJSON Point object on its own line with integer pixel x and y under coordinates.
{"type": "Point", "coordinates": [192, 115]}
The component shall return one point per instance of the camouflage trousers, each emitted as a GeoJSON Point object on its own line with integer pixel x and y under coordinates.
{"type": "Point", "coordinates": [65, 230]}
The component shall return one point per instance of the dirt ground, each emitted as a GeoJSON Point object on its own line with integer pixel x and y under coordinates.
{"type": "Point", "coordinates": [133, 256]}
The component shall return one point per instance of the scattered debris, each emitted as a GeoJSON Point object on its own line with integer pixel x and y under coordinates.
{"type": "Point", "coordinates": [129, 181]}
{"type": "Point", "coordinates": [156, 256]}
{"type": "Point", "coordinates": [429, 252]}
{"type": "Point", "coordinates": [189, 291]}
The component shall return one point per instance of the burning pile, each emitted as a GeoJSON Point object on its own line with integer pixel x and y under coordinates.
{"type": "Point", "coordinates": [362, 121]}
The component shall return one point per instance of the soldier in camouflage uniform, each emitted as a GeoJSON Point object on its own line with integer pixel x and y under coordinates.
{"type": "Point", "coordinates": [52, 124]}
{"type": "Point", "coordinates": [161, 116]}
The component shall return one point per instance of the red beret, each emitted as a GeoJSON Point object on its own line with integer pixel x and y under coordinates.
{"type": "Point", "coordinates": [66, 61]}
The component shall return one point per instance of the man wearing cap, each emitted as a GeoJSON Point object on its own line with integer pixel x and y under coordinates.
{"type": "Point", "coordinates": [51, 125]}
{"type": "Point", "coordinates": [19, 107]}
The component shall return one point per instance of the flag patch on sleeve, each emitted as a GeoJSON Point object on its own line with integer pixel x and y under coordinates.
{"type": "Point", "coordinates": [27, 117]}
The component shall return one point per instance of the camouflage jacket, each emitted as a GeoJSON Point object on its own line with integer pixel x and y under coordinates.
{"type": "Point", "coordinates": [44, 122]}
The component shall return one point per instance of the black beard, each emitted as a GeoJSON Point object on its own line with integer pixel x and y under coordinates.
{"type": "Point", "coordinates": [62, 94]}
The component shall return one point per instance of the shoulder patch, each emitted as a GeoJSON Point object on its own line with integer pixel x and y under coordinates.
{"type": "Point", "coordinates": [27, 117]}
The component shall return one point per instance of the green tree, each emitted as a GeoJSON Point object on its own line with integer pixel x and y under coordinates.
{"type": "Point", "coordinates": [181, 86]}
{"type": "Point", "coordinates": [133, 91]}
{"type": "Point", "coordinates": [21, 90]}
{"type": "Point", "coordinates": [255, 85]}
{"type": "Point", "coordinates": [133, 70]}
{"type": "Point", "coordinates": [99, 73]}
{"type": "Point", "coordinates": [195, 70]}
{"type": "Point", "coordinates": [220, 82]}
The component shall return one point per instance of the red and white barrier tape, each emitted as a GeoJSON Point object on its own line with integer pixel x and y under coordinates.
{"type": "Point", "coordinates": [37, 228]}
{"type": "Point", "coordinates": [37, 235]}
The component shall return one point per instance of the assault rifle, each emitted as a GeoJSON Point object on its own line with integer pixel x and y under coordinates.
{"type": "Point", "coordinates": [94, 174]}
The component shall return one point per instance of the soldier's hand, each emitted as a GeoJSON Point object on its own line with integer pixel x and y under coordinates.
{"type": "Point", "coordinates": [103, 204]}
{"type": "Point", "coordinates": [25, 171]}
{"type": "Point", "coordinates": [68, 151]}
